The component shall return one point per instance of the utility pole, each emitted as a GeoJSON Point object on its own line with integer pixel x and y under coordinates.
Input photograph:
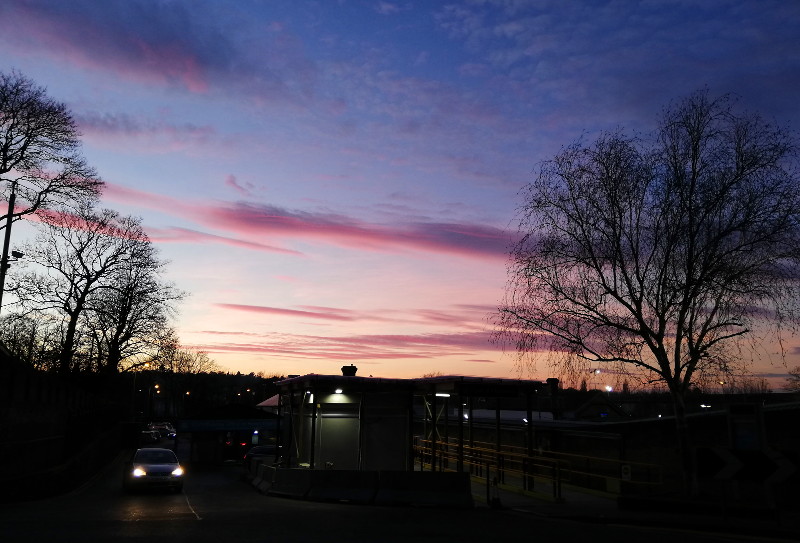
{"type": "Point", "coordinates": [7, 241]}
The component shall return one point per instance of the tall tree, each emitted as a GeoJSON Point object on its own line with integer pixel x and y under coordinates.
{"type": "Point", "coordinates": [658, 256]}
{"type": "Point", "coordinates": [40, 149]}
{"type": "Point", "coordinates": [128, 318]}
{"type": "Point", "coordinates": [92, 267]}
{"type": "Point", "coordinates": [40, 160]}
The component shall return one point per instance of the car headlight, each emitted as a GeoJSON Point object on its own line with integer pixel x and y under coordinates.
{"type": "Point", "coordinates": [139, 472]}
{"type": "Point", "coordinates": [177, 472]}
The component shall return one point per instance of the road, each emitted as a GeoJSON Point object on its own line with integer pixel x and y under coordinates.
{"type": "Point", "coordinates": [217, 505]}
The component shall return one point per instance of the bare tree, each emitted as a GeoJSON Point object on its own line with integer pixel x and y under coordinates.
{"type": "Point", "coordinates": [128, 318]}
{"type": "Point", "coordinates": [87, 263]}
{"type": "Point", "coordinates": [39, 156]}
{"type": "Point", "coordinates": [21, 336]}
{"type": "Point", "coordinates": [40, 149]}
{"type": "Point", "coordinates": [748, 384]}
{"type": "Point", "coordinates": [657, 257]}
{"type": "Point", "coordinates": [169, 356]}
{"type": "Point", "coordinates": [793, 381]}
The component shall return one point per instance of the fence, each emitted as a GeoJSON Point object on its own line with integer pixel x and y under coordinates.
{"type": "Point", "coordinates": [514, 467]}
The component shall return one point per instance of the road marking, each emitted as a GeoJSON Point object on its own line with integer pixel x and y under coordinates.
{"type": "Point", "coordinates": [191, 508]}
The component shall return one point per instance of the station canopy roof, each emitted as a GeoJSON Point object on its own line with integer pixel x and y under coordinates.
{"type": "Point", "coordinates": [457, 384]}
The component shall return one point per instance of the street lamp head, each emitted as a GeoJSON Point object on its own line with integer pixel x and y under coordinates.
{"type": "Point", "coordinates": [17, 254]}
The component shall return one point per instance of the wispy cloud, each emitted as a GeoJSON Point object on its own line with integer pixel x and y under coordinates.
{"type": "Point", "coordinates": [456, 317]}
{"type": "Point", "coordinates": [171, 45]}
{"type": "Point", "coordinates": [186, 235]}
{"type": "Point", "coordinates": [102, 126]}
{"type": "Point", "coordinates": [454, 238]}
{"type": "Point", "coordinates": [336, 315]}
{"type": "Point", "coordinates": [136, 40]}
{"type": "Point", "coordinates": [361, 347]}
{"type": "Point", "coordinates": [232, 182]}
{"type": "Point", "coordinates": [250, 221]}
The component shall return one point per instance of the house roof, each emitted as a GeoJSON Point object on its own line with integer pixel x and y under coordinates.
{"type": "Point", "coordinates": [270, 402]}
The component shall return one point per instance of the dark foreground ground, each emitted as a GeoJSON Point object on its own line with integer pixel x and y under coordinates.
{"type": "Point", "coordinates": [221, 506]}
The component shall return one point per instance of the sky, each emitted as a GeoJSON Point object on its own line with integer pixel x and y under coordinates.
{"type": "Point", "coordinates": [337, 182]}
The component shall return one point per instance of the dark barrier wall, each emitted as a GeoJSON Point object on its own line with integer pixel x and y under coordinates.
{"type": "Point", "coordinates": [55, 430]}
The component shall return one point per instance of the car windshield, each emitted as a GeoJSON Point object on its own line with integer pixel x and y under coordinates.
{"type": "Point", "coordinates": [156, 457]}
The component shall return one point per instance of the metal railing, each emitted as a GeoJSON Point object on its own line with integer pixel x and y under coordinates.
{"type": "Point", "coordinates": [514, 467]}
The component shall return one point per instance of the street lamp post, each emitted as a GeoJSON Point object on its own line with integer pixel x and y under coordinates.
{"type": "Point", "coordinates": [7, 241]}
{"type": "Point", "coordinates": [133, 392]}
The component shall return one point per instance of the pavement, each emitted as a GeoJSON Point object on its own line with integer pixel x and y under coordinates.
{"type": "Point", "coordinates": [751, 521]}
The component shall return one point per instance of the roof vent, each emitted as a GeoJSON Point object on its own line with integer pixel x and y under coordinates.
{"type": "Point", "coordinates": [349, 371]}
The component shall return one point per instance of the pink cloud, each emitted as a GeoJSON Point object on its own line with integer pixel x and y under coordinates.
{"type": "Point", "coordinates": [334, 314]}
{"type": "Point", "coordinates": [455, 238]}
{"type": "Point", "coordinates": [232, 182]}
{"type": "Point", "coordinates": [185, 235]}
{"type": "Point", "coordinates": [149, 200]}
{"type": "Point", "coordinates": [472, 240]}
{"type": "Point", "coordinates": [109, 223]}
{"type": "Point", "coordinates": [364, 347]}
{"type": "Point", "coordinates": [101, 38]}
{"type": "Point", "coordinates": [468, 339]}
{"type": "Point", "coordinates": [166, 44]}
{"type": "Point", "coordinates": [462, 317]}
{"type": "Point", "coordinates": [174, 62]}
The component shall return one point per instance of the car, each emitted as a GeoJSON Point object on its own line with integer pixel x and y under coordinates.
{"type": "Point", "coordinates": [152, 467]}
{"type": "Point", "coordinates": [164, 428]}
{"type": "Point", "coordinates": [259, 452]}
{"type": "Point", "coordinates": [149, 436]}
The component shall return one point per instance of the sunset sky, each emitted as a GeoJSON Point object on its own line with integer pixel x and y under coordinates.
{"type": "Point", "coordinates": [337, 182]}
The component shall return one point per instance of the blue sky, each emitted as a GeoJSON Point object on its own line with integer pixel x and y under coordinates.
{"type": "Point", "coordinates": [337, 181]}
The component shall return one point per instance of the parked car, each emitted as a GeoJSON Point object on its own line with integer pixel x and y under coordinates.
{"type": "Point", "coordinates": [260, 452]}
{"type": "Point", "coordinates": [149, 436]}
{"type": "Point", "coordinates": [164, 428]}
{"type": "Point", "coordinates": [152, 467]}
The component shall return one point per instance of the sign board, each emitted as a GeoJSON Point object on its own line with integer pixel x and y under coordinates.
{"type": "Point", "coordinates": [767, 466]}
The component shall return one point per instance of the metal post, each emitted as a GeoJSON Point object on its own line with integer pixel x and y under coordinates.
{"type": "Point", "coordinates": [278, 430]}
{"type": "Point", "coordinates": [410, 431]}
{"type": "Point", "coordinates": [446, 448]}
{"type": "Point", "coordinates": [460, 432]}
{"type": "Point", "coordinates": [471, 435]}
{"type": "Point", "coordinates": [488, 485]}
{"type": "Point", "coordinates": [7, 241]}
{"type": "Point", "coordinates": [435, 432]}
{"type": "Point", "coordinates": [529, 481]}
{"type": "Point", "coordinates": [313, 443]}
{"type": "Point", "coordinates": [498, 452]}
{"type": "Point", "coordinates": [361, 431]}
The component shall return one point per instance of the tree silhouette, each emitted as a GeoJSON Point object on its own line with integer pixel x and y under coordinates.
{"type": "Point", "coordinates": [657, 257]}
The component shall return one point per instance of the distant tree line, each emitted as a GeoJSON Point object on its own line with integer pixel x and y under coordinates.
{"type": "Point", "coordinates": [165, 394]}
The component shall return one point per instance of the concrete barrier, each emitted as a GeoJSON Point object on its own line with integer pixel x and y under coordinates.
{"type": "Point", "coordinates": [291, 483]}
{"type": "Point", "coordinates": [266, 480]}
{"type": "Point", "coordinates": [259, 476]}
{"type": "Point", "coordinates": [425, 488]}
{"type": "Point", "coordinates": [414, 488]}
{"type": "Point", "coordinates": [344, 485]}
